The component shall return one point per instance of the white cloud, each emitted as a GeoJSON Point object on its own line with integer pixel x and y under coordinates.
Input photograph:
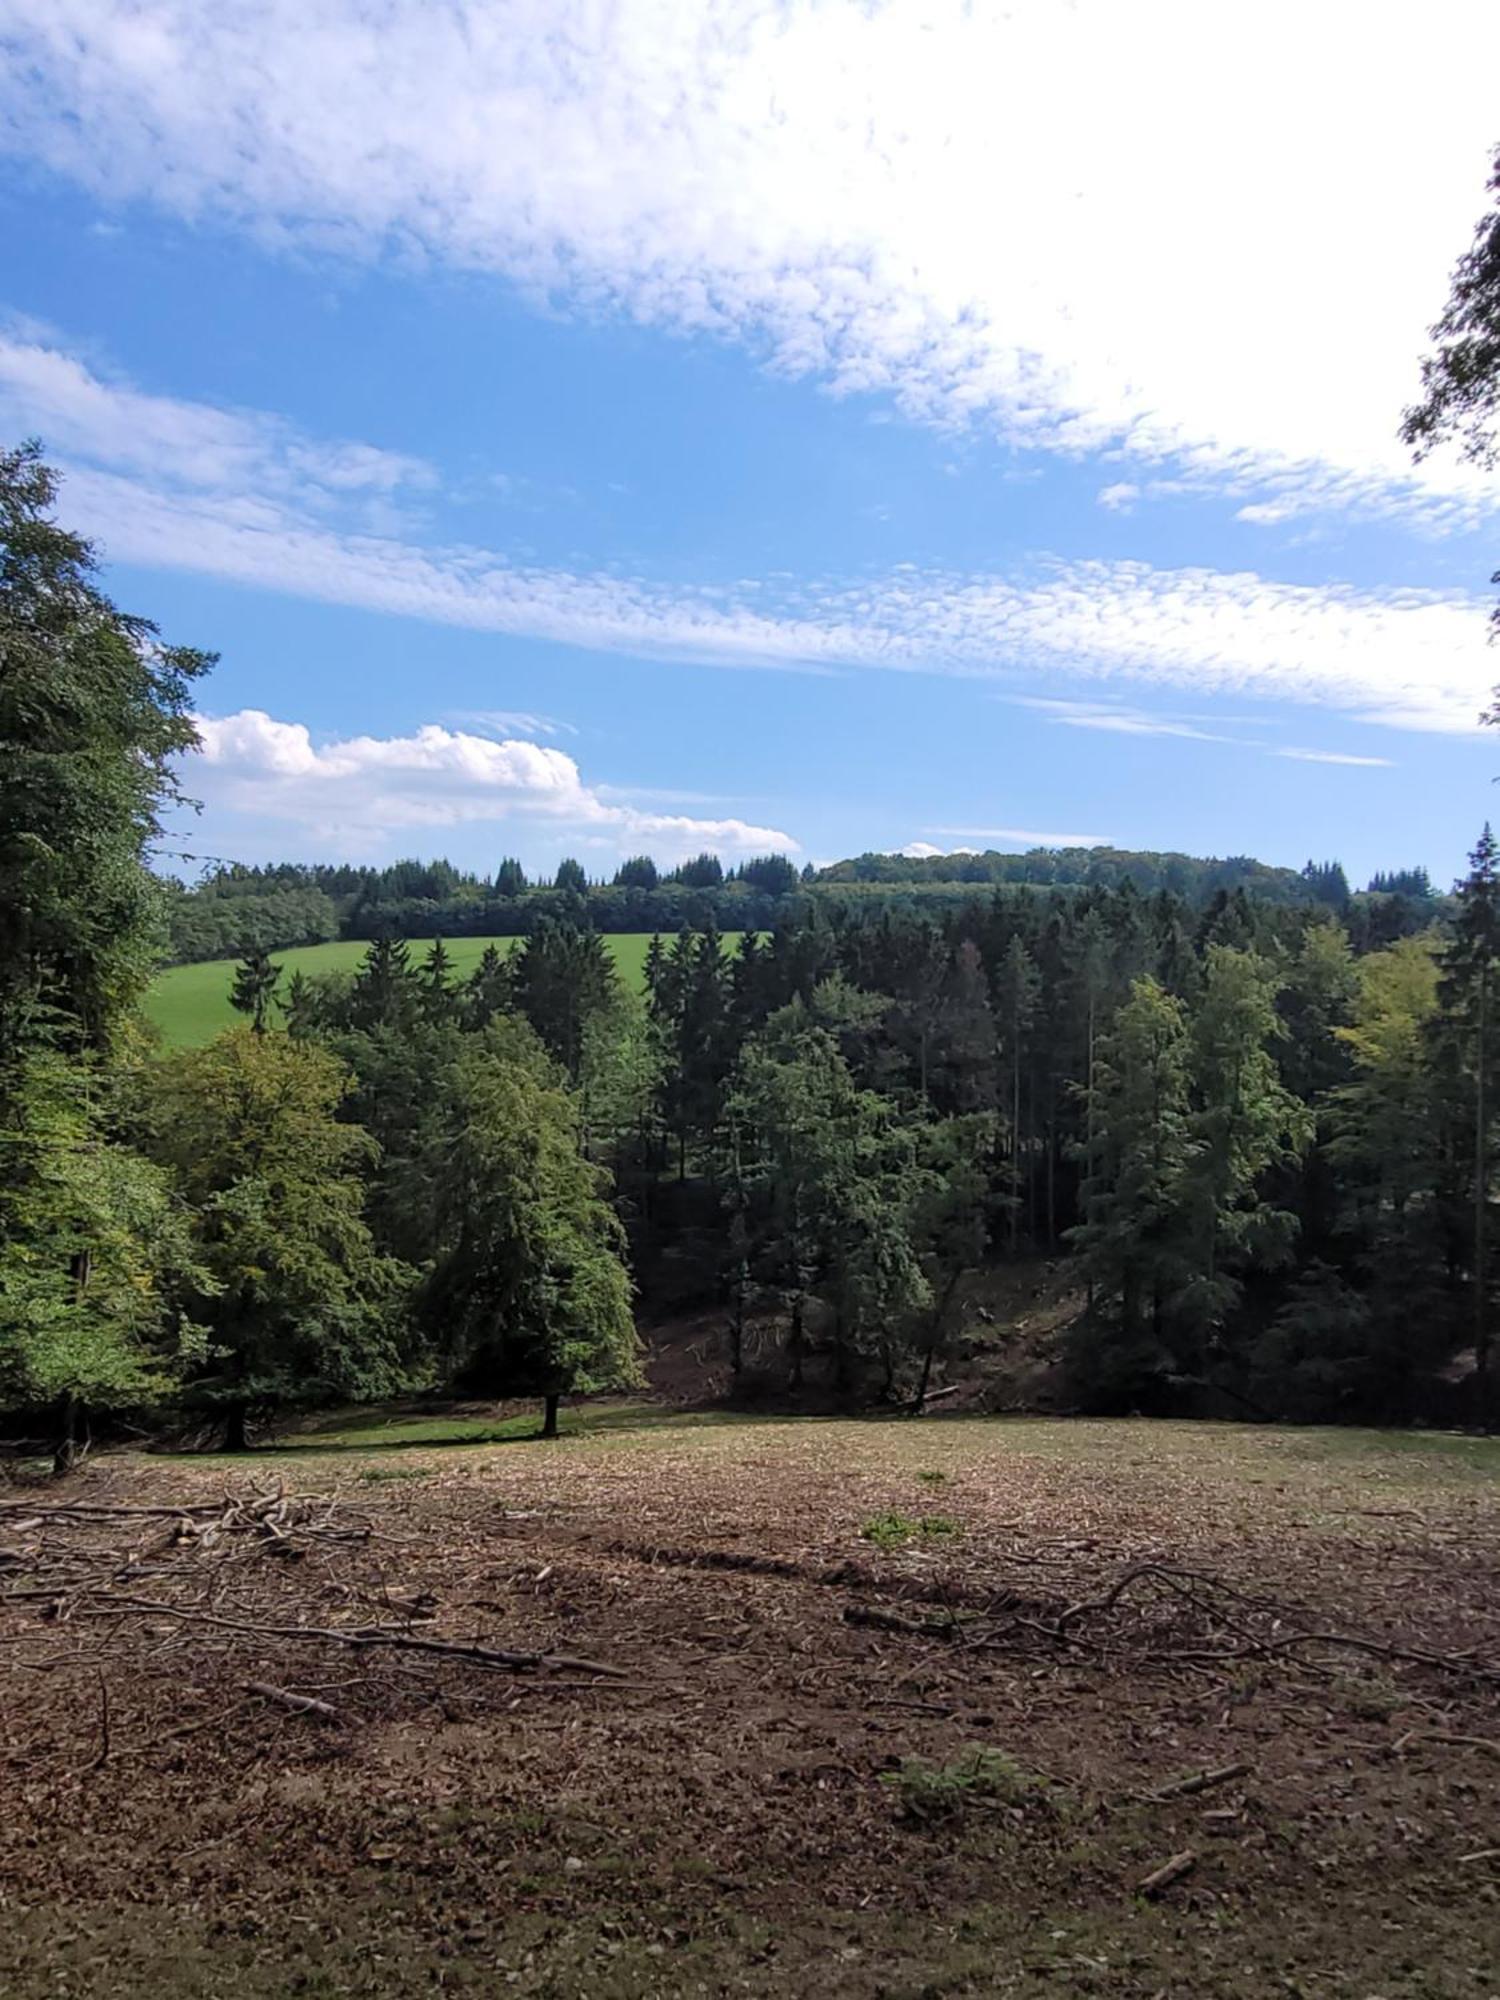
{"type": "Point", "coordinates": [1117, 721]}
{"type": "Point", "coordinates": [1019, 836]}
{"type": "Point", "coordinates": [512, 722]}
{"type": "Point", "coordinates": [919, 850]}
{"type": "Point", "coordinates": [1413, 659]}
{"type": "Point", "coordinates": [1119, 498]}
{"type": "Point", "coordinates": [193, 445]}
{"type": "Point", "coordinates": [1181, 234]}
{"type": "Point", "coordinates": [1335, 757]}
{"type": "Point", "coordinates": [231, 506]}
{"type": "Point", "coordinates": [352, 794]}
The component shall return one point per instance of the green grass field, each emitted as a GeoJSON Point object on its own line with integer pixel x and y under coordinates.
{"type": "Point", "coordinates": [189, 1004]}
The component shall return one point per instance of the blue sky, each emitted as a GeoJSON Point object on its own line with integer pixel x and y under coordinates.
{"type": "Point", "coordinates": [822, 426]}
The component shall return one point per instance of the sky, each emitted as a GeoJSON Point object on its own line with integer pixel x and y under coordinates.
{"type": "Point", "coordinates": [806, 427]}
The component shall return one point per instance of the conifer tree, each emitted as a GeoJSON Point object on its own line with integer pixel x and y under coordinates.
{"type": "Point", "coordinates": [255, 981]}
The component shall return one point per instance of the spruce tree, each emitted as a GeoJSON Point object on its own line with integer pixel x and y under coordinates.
{"type": "Point", "coordinates": [255, 980]}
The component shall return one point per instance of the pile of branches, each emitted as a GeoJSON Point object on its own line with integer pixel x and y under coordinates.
{"type": "Point", "coordinates": [238, 1577]}
{"type": "Point", "coordinates": [1156, 1612]}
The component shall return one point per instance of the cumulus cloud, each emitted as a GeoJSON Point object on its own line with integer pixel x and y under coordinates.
{"type": "Point", "coordinates": [1058, 222]}
{"type": "Point", "coordinates": [352, 794]}
{"type": "Point", "coordinates": [919, 850]}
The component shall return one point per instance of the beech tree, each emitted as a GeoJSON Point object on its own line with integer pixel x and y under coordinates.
{"type": "Point", "coordinates": [301, 1308]}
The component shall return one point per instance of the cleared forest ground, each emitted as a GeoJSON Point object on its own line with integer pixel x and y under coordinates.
{"type": "Point", "coordinates": [744, 1631]}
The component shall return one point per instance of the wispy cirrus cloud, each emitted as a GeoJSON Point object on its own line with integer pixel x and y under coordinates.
{"type": "Point", "coordinates": [1116, 721]}
{"type": "Point", "coordinates": [192, 445]}
{"type": "Point", "coordinates": [258, 504]}
{"type": "Point", "coordinates": [1336, 757]}
{"type": "Point", "coordinates": [1053, 222]}
{"type": "Point", "coordinates": [358, 794]}
{"type": "Point", "coordinates": [1410, 659]}
{"type": "Point", "coordinates": [504, 722]}
{"type": "Point", "coordinates": [1021, 836]}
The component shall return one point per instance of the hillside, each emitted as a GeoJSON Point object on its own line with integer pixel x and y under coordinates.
{"type": "Point", "coordinates": [189, 1004]}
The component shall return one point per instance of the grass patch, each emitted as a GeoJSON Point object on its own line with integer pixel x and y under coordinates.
{"type": "Point", "coordinates": [894, 1531]}
{"type": "Point", "coordinates": [928, 1793]}
{"type": "Point", "coordinates": [189, 1004]}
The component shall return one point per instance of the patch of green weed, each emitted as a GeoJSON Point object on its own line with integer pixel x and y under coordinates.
{"type": "Point", "coordinates": [893, 1531]}
{"type": "Point", "coordinates": [930, 1792]}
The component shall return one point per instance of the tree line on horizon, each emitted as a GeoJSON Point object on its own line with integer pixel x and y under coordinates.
{"type": "Point", "coordinates": [280, 906]}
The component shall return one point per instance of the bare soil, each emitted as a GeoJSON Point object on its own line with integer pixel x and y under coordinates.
{"type": "Point", "coordinates": [681, 1785]}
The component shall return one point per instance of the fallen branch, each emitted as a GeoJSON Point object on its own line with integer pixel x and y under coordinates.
{"type": "Point", "coordinates": [364, 1636]}
{"type": "Point", "coordinates": [1169, 1872]}
{"type": "Point", "coordinates": [1442, 1736]}
{"type": "Point", "coordinates": [299, 1704]}
{"type": "Point", "coordinates": [1199, 1781]}
{"type": "Point", "coordinates": [892, 1621]}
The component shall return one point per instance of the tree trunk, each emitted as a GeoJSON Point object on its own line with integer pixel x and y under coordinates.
{"type": "Point", "coordinates": [236, 1428]}
{"type": "Point", "coordinates": [795, 1343]}
{"type": "Point", "coordinates": [1481, 1213]}
{"type": "Point", "coordinates": [72, 1437]}
{"type": "Point", "coordinates": [843, 1363]}
{"type": "Point", "coordinates": [737, 1331]}
{"type": "Point", "coordinates": [549, 1416]}
{"type": "Point", "coordinates": [921, 1402]}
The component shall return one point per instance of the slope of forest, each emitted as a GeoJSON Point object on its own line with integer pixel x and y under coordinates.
{"type": "Point", "coordinates": [190, 1003]}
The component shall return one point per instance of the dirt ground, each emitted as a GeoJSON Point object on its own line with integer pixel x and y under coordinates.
{"type": "Point", "coordinates": [747, 1633]}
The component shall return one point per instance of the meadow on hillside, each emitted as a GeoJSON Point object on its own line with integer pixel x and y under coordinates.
{"type": "Point", "coordinates": [189, 1004]}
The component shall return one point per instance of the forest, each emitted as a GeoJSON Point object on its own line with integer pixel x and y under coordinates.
{"type": "Point", "coordinates": [286, 904]}
{"type": "Point", "coordinates": [1258, 1128]}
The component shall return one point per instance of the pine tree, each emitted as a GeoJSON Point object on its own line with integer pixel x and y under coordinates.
{"type": "Point", "coordinates": [302, 1007]}
{"type": "Point", "coordinates": [255, 980]}
{"type": "Point", "coordinates": [435, 984]}
{"type": "Point", "coordinates": [489, 990]}
{"type": "Point", "coordinates": [561, 976]}
{"type": "Point", "coordinates": [94, 713]}
{"type": "Point", "coordinates": [1245, 1121]}
{"type": "Point", "coordinates": [1018, 988]}
{"type": "Point", "coordinates": [1470, 997]}
{"type": "Point", "coordinates": [384, 993]}
{"type": "Point", "coordinates": [1133, 1243]}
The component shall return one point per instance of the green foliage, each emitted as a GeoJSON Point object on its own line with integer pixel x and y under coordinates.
{"type": "Point", "coordinates": [893, 1531]}
{"type": "Point", "coordinates": [97, 1258]}
{"type": "Point", "coordinates": [560, 978]}
{"type": "Point", "coordinates": [931, 1793]}
{"type": "Point", "coordinates": [303, 1308]}
{"type": "Point", "coordinates": [529, 1293]}
{"type": "Point", "coordinates": [255, 981]}
{"type": "Point", "coordinates": [93, 712]}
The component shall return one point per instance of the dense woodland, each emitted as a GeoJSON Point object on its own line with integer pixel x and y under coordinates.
{"type": "Point", "coordinates": [1257, 1121]}
{"type": "Point", "coordinates": [290, 903]}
